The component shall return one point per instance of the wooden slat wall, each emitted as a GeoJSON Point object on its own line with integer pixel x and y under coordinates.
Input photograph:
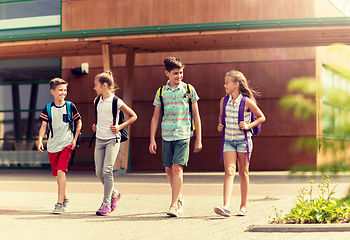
{"type": "Point", "coordinates": [268, 71]}
{"type": "Point", "coordinates": [92, 14]}
{"type": "Point", "coordinates": [270, 78]}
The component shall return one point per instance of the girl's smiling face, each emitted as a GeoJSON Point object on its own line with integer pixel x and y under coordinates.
{"type": "Point", "coordinates": [230, 86]}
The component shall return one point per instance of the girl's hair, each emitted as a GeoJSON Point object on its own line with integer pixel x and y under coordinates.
{"type": "Point", "coordinates": [107, 77]}
{"type": "Point", "coordinates": [237, 76]}
{"type": "Point", "coordinates": [56, 82]}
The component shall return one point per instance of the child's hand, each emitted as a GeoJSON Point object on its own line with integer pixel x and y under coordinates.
{"type": "Point", "coordinates": [40, 147]}
{"type": "Point", "coordinates": [114, 128]}
{"type": "Point", "coordinates": [197, 146]}
{"type": "Point", "coordinates": [153, 147]}
{"type": "Point", "coordinates": [94, 127]}
{"type": "Point", "coordinates": [73, 144]}
{"type": "Point", "coordinates": [220, 127]}
{"type": "Point", "coordinates": [244, 126]}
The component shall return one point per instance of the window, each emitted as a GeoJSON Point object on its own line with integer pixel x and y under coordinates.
{"type": "Point", "coordinates": [24, 88]}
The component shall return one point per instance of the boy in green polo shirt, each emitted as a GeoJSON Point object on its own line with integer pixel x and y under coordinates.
{"type": "Point", "coordinates": [176, 128]}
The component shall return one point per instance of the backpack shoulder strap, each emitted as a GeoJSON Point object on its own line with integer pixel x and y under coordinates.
{"type": "Point", "coordinates": [115, 109]}
{"type": "Point", "coordinates": [189, 91]}
{"type": "Point", "coordinates": [48, 110]}
{"type": "Point", "coordinates": [241, 109]}
{"type": "Point", "coordinates": [224, 109]}
{"type": "Point", "coordinates": [69, 115]}
{"type": "Point", "coordinates": [160, 95]}
{"type": "Point", "coordinates": [96, 103]}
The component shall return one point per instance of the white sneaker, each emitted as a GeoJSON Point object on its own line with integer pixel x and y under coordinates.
{"type": "Point", "coordinates": [180, 204]}
{"type": "Point", "coordinates": [172, 212]}
{"type": "Point", "coordinates": [59, 209]}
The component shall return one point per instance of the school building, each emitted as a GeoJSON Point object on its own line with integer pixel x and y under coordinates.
{"type": "Point", "coordinates": [269, 41]}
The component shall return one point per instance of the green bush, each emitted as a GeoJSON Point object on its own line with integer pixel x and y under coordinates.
{"type": "Point", "coordinates": [323, 209]}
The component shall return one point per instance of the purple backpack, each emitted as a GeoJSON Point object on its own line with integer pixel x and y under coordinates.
{"type": "Point", "coordinates": [255, 130]}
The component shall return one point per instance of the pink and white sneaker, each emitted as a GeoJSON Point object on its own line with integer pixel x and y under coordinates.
{"type": "Point", "coordinates": [114, 201]}
{"type": "Point", "coordinates": [103, 210]}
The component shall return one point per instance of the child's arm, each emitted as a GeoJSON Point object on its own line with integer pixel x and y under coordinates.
{"type": "Point", "coordinates": [197, 122]}
{"type": "Point", "coordinates": [257, 112]}
{"type": "Point", "coordinates": [132, 118]}
{"type": "Point", "coordinates": [42, 132]}
{"type": "Point", "coordinates": [77, 131]}
{"type": "Point", "coordinates": [153, 130]}
{"type": "Point", "coordinates": [220, 126]}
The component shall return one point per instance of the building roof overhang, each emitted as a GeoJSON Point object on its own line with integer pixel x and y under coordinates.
{"type": "Point", "coordinates": [186, 37]}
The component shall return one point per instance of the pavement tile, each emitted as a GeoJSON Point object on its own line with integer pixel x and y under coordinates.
{"type": "Point", "coordinates": [27, 199]}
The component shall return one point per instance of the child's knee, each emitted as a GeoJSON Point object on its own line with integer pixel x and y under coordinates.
{"type": "Point", "coordinates": [168, 170]}
{"type": "Point", "coordinates": [177, 169]}
{"type": "Point", "coordinates": [244, 173]}
{"type": "Point", "coordinates": [230, 171]}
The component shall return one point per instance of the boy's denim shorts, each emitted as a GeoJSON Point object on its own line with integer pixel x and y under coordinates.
{"type": "Point", "coordinates": [175, 152]}
{"type": "Point", "coordinates": [238, 146]}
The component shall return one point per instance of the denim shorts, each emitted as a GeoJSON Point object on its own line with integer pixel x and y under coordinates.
{"type": "Point", "coordinates": [238, 146]}
{"type": "Point", "coordinates": [175, 152]}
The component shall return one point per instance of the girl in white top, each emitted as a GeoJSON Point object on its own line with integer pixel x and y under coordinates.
{"type": "Point", "coordinates": [234, 145]}
{"type": "Point", "coordinates": [107, 135]}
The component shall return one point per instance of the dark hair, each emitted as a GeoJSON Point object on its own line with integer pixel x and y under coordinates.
{"type": "Point", "coordinates": [173, 62]}
{"type": "Point", "coordinates": [107, 77]}
{"type": "Point", "coordinates": [243, 83]}
{"type": "Point", "coordinates": [55, 82]}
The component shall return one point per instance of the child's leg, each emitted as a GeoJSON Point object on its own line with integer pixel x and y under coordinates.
{"type": "Point", "coordinates": [243, 170]}
{"type": "Point", "coordinates": [230, 159]}
{"type": "Point", "coordinates": [112, 149]}
{"type": "Point", "coordinates": [99, 155]}
{"type": "Point", "coordinates": [62, 186]}
{"type": "Point", "coordinates": [176, 185]}
{"type": "Point", "coordinates": [169, 174]}
{"type": "Point", "coordinates": [61, 169]}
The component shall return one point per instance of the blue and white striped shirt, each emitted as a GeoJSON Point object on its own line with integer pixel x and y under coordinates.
{"type": "Point", "coordinates": [232, 129]}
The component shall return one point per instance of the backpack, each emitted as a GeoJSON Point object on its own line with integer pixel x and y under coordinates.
{"type": "Point", "coordinates": [189, 93]}
{"type": "Point", "coordinates": [72, 125]}
{"type": "Point", "coordinates": [255, 130]}
{"type": "Point", "coordinates": [123, 132]}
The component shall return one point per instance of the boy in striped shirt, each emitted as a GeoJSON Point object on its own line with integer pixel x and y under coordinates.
{"type": "Point", "coordinates": [176, 128]}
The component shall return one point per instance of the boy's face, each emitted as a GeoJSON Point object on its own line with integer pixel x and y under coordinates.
{"type": "Point", "coordinates": [175, 76]}
{"type": "Point", "coordinates": [60, 92]}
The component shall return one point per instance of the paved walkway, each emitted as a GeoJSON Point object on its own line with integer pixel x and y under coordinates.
{"type": "Point", "coordinates": [27, 198]}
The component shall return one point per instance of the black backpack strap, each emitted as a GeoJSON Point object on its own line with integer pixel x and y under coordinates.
{"type": "Point", "coordinates": [160, 95]}
{"type": "Point", "coordinates": [114, 112]}
{"type": "Point", "coordinates": [94, 135]}
{"type": "Point", "coordinates": [188, 90]}
{"type": "Point", "coordinates": [189, 93]}
{"type": "Point", "coordinates": [115, 109]}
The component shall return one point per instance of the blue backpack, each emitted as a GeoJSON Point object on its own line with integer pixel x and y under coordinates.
{"type": "Point", "coordinates": [255, 130]}
{"type": "Point", "coordinates": [72, 125]}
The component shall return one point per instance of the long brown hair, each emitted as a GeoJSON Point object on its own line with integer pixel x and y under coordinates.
{"type": "Point", "coordinates": [244, 89]}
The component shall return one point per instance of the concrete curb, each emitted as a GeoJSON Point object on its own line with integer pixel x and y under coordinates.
{"type": "Point", "coordinates": [342, 227]}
